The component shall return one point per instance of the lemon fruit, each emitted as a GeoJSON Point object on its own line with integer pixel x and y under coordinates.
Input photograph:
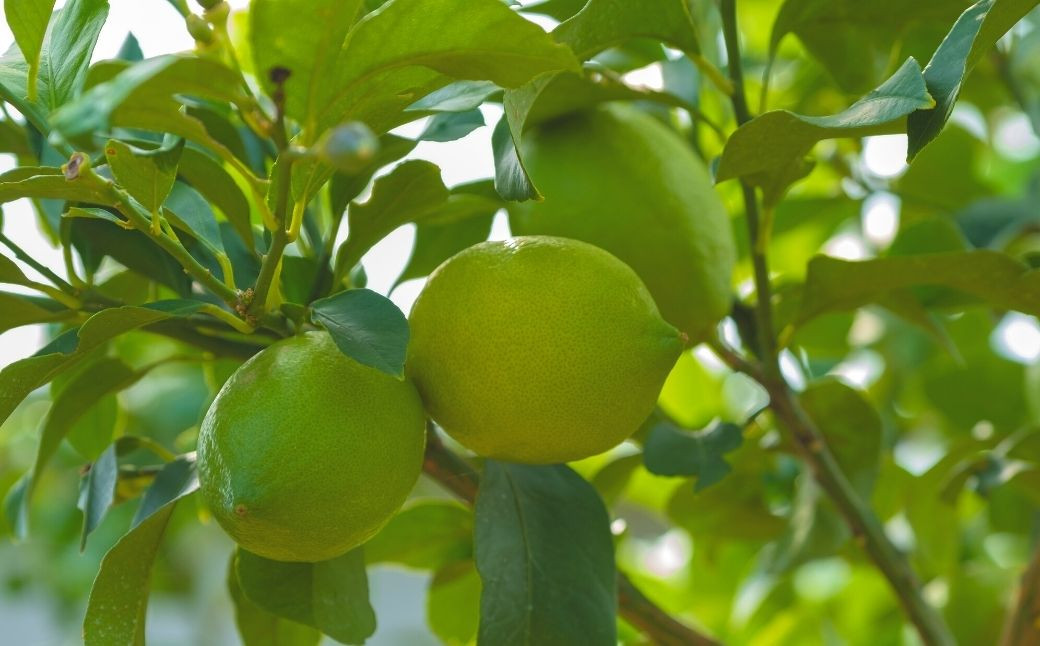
{"type": "Point", "coordinates": [305, 453]}
{"type": "Point", "coordinates": [616, 178]}
{"type": "Point", "coordinates": [538, 349]}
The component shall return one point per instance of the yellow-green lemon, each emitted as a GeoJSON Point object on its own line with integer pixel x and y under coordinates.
{"type": "Point", "coordinates": [538, 349]}
{"type": "Point", "coordinates": [616, 178]}
{"type": "Point", "coordinates": [306, 454]}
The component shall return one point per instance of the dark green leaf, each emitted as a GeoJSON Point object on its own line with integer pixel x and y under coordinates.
{"type": "Point", "coordinates": [119, 598]}
{"type": "Point", "coordinates": [453, 603]}
{"type": "Point", "coordinates": [135, 250]}
{"type": "Point", "coordinates": [17, 310]}
{"type": "Point", "coordinates": [20, 378]}
{"type": "Point", "coordinates": [449, 126]}
{"type": "Point", "coordinates": [426, 536]}
{"type": "Point", "coordinates": [98, 492]}
{"type": "Point", "coordinates": [11, 273]}
{"type": "Point", "coordinates": [669, 451]}
{"type": "Point", "coordinates": [367, 327]}
{"type": "Point", "coordinates": [190, 212]}
{"type": "Point", "coordinates": [437, 240]}
{"type": "Point", "coordinates": [411, 191]}
{"type": "Point", "coordinates": [148, 175]}
{"type": "Point", "coordinates": [545, 557]}
{"type": "Point", "coordinates": [769, 149]}
{"type": "Point", "coordinates": [996, 278]}
{"type": "Point", "coordinates": [130, 50]}
{"type": "Point", "coordinates": [851, 427]}
{"type": "Point", "coordinates": [331, 596]}
{"type": "Point", "coordinates": [28, 20]}
{"type": "Point", "coordinates": [605, 23]}
{"type": "Point", "coordinates": [460, 96]}
{"type": "Point", "coordinates": [175, 480]}
{"type": "Point", "coordinates": [208, 177]}
{"type": "Point", "coordinates": [257, 627]}
{"type": "Point", "coordinates": [511, 179]}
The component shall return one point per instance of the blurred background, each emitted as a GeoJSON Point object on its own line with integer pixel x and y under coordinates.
{"type": "Point", "coordinates": [977, 186]}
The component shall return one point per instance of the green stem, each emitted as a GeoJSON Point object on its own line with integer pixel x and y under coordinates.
{"type": "Point", "coordinates": [807, 437]}
{"type": "Point", "coordinates": [20, 254]}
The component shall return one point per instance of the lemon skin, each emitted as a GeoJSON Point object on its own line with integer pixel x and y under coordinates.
{"type": "Point", "coordinates": [538, 349]}
{"type": "Point", "coordinates": [305, 453]}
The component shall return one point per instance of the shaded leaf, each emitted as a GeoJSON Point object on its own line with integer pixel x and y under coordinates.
{"type": "Point", "coordinates": [367, 327]}
{"type": "Point", "coordinates": [28, 20]}
{"type": "Point", "coordinates": [511, 179]}
{"type": "Point", "coordinates": [768, 150]}
{"type": "Point", "coordinates": [437, 239]}
{"type": "Point", "coordinates": [460, 96]}
{"type": "Point", "coordinates": [175, 480]}
{"type": "Point", "coordinates": [449, 126]}
{"type": "Point", "coordinates": [190, 212]}
{"type": "Point", "coordinates": [669, 451]}
{"type": "Point", "coordinates": [98, 492]}
{"type": "Point", "coordinates": [605, 23]}
{"type": "Point", "coordinates": [148, 175]}
{"type": "Point", "coordinates": [331, 596]}
{"type": "Point", "coordinates": [453, 603]}
{"type": "Point", "coordinates": [17, 310]}
{"type": "Point", "coordinates": [545, 557]}
{"type": "Point", "coordinates": [212, 181]}
{"type": "Point", "coordinates": [345, 188]}
{"type": "Point", "coordinates": [851, 427]}
{"type": "Point", "coordinates": [257, 627]}
{"type": "Point", "coordinates": [427, 535]}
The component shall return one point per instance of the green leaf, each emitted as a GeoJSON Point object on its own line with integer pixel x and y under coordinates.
{"type": "Point", "coordinates": [46, 182]}
{"type": "Point", "coordinates": [304, 37]}
{"type": "Point", "coordinates": [331, 596]}
{"type": "Point", "coordinates": [257, 627]}
{"type": "Point", "coordinates": [605, 23]}
{"type": "Point", "coordinates": [669, 451]}
{"type": "Point", "coordinates": [97, 493]}
{"type": "Point", "coordinates": [67, 50]}
{"type": "Point", "coordinates": [345, 188]}
{"type": "Point", "coordinates": [119, 597]}
{"type": "Point", "coordinates": [17, 310]}
{"type": "Point", "coordinates": [20, 378]}
{"type": "Point", "coordinates": [427, 535]}
{"type": "Point", "coordinates": [144, 95]}
{"type": "Point", "coordinates": [768, 150]}
{"type": "Point", "coordinates": [465, 220]}
{"type": "Point", "coordinates": [148, 175]}
{"type": "Point", "coordinates": [367, 327]}
{"type": "Point", "coordinates": [134, 250]}
{"type": "Point", "coordinates": [851, 427]}
{"type": "Point", "coordinates": [207, 176]}
{"type": "Point", "coordinates": [545, 556]}
{"type": "Point", "coordinates": [453, 603]}
{"type": "Point", "coordinates": [511, 179]}
{"type": "Point", "coordinates": [190, 212]}
{"type": "Point", "coordinates": [460, 96]}
{"type": "Point", "coordinates": [993, 277]}
{"type": "Point", "coordinates": [11, 273]}
{"type": "Point", "coordinates": [449, 126]}
{"type": "Point", "coordinates": [175, 480]}
{"type": "Point", "coordinates": [405, 50]}
{"type": "Point", "coordinates": [411, 191]}
{"type": "Point", "coordinates": [28, 21]}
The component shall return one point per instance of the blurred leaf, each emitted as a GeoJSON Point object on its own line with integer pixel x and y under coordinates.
{"type": "Point", "coordinates": [993, 277]}
{"type": "Point", "coordinates": [769, 149]}
{"type": "Point", "coordinates": [691, 395]}
{"type": "Point", "coordinates": [1001, 17]}
{"type": "Point", "coordinates": [119, 597]}
{"type": "Point", "coordinates": [20, 378]}
{"type": "Point", "coordinates": [303, 37]}
{"type": "Point", "coordinates": [427, 535]}
{"type": "Point", "coordinates": [208, 177]}
{"type": "Point", "coordinates": [460, 96]}
{"type": "Point", "coordinates": [331, 596]}
{"type": "Point", "coordinates": [851, 428]}
{"type": "Point", "coordinates": [545, 557]}
{"type": "Point", "coordinates": [453, 603]}
{"type": "Point", "coordinates": [190, 212]}
{"type": "Point", "coordinates": [257, 627]}
{"type": "Point", "coordinates": [27, 20]}
{"type": "Point", "coordinates": [944, 176]}
{"type": "Point", "coordinates": [345, 188]}
{"type": "Point", "coordinates": [130, 50]}
{"type": "Point", "coordinates": [17, 310]}
{"type": "Point", "coordinates": [605, 23]}
{"type": "Point", "coordinates": [147, 175]}
{"type": "Point", "coordinates": [410, 192]}
{"type": "Point", "coordinates": [669, 451]}
{"type": "Point", "coordinates": [406, 50]}
{"type": "Point", "coordinates": [47, 182]}
{"type": "Point", "coordinates": [98, 492]}
{"type": "Point", "coordinates": [449, 126]}
{"type": "Point", "coordinates": [367, 327]}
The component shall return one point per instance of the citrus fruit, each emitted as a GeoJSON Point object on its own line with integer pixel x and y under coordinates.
{"type": "Point", "coordinates": [616, 178]}
{"type": "Point", "coordinates": [305, 453]}
{"type": "Point", "coordinates": [538, 349]}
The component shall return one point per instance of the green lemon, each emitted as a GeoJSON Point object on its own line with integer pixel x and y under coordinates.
{"type": "Point", "coordinates": [616, 178]}
{"type": "Point", "coordinates": [538, 349]}
{"type": "Point", "coordinates": [306, 454]}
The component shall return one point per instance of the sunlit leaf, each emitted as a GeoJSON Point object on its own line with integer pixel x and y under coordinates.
{"type": "Point", "coordinates": [367, 327]}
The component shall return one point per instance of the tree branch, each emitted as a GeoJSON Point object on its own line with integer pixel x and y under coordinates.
{"type": "Point", "coordinates": [458, 477]}
{"type": "Point", "coordinates": [790, 415]}
{"type": "Point", "coordinates": [1023, 621]}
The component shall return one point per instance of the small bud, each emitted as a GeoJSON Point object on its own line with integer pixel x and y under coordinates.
{"type": "Point", "coordinates": [209, 4]}
{"type": "Point", "coordinates": [199, 29]}
{"type": "Point", "coordinates": [218, 13]}
{"type": "Point", "coordinates": [348, 147]}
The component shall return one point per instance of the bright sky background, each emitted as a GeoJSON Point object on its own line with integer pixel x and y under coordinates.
{"type": "Point", "coordinates": [159, 29]}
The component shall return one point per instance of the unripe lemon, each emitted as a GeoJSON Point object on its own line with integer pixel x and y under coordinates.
{"type": "Point", "coordinates": [616, 178]}
{"type": "Point", "coordinates": [538, 349]}
{"type": "Point", "coordinates": [305, 453]}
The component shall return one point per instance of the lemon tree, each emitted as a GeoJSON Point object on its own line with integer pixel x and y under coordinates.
{"type": "Point", "coordinates": [715, 322]}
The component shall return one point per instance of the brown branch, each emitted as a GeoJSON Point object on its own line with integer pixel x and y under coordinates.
{"type": "Point", "coordinates": [1023, 621]}
{"type": "Point", "coordinates": [458, 477]}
